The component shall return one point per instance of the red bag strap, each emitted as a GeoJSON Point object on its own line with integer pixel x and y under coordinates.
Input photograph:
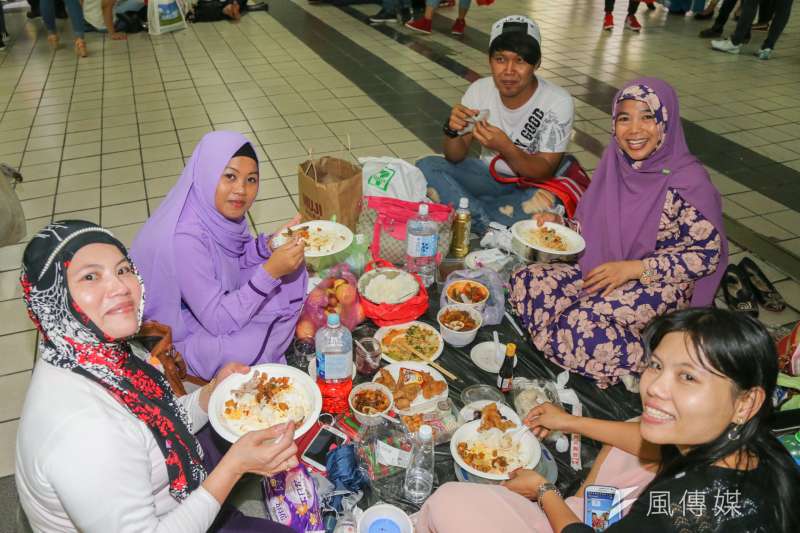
{"type": "Point", "coordinates": [377, 263]}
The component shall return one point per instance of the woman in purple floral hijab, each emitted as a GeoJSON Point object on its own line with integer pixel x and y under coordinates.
{"type": "Point", "coordinates": [655, 242]}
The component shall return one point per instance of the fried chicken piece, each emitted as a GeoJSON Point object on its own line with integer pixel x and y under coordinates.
{"type": "Point", "coordinates": [491, 418]}
{"type": "Point", "coordinates": [432, 388]}
{"type": "Point", "coordinates": [385, 378]}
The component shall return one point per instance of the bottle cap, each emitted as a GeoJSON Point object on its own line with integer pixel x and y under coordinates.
{"type": "Point", "coordinates": [511, 349]}
{"type": "Point", "coordinates": [423, 209]}
{"type": "Point", "coordinates": [463, 203]}
{"type": "Point", "coordinates": [333, 319]}
{"type": "Point", "coordinates": [425, 432]}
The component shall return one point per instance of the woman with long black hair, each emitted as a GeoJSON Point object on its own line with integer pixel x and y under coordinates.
{"type": "Point", "coordinates": [706, 397]}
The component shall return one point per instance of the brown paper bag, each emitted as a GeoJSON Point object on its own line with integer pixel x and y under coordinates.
{"type": "Point", "coordinates": [330, 186]}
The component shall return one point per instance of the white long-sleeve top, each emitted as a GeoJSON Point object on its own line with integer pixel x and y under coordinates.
{"type": "Point", "coordinates": [84, 462]}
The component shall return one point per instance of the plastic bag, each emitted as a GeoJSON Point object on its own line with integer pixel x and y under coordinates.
{"type": "Point", "coordinates": [384, 449]}
{"type": "Point", "coordinates": [391, 314]}
{"type": "Point", "coordinates": [445, 418]}
{"type": "Point", "coordinates": [393, 178]}
{"type": "Point", "coordinates": [337, 293]}
{"type": "Point", "coordinates": [164, 16]}
{"type": "Point", "coordinates": [292, 500]}
{"type": "Point", "coordinates": [493, 312]}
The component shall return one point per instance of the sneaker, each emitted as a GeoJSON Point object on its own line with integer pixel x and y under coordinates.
{"type": "Point", "coordinates": [421, 25]}
{"type": "Point", "coordinates": [764, 53]}
{"type": "Point", "coordinates": [383, 16]}
{"type": "Point", "coordinates": [405, 14]}
{"type": "Point", "coordinates": [632, 24]}
{"type": "Point", "coordinates": [708, 33]}
{"type": "Point", "coordinates": [608, 22]}
{"type": "Point", "coordinates": [2, 44]}
{"type": "Point", "coordinates": [458, 27]}
{"type": "Point", "coordinates": [760, 27]}
{"type": "Point", "coordinates": [725, 45]}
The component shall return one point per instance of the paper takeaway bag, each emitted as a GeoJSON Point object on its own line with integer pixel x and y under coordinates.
{"type": "Point", "coordinates": [330, 186]}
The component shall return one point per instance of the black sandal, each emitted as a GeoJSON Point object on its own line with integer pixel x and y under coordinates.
{"type": "Point", "coordinates": [765, 292]}
{"type": "Point", "coordinates": [737, 292]}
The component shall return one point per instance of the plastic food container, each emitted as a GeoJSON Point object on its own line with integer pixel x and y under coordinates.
{"type": "Point", "coordinates": [481, 392]}
{"type": "Point", "coordinates": [459, 285]}
{"type": "Point", "coordinates": [459, 338]}
{"type": "Point", "coordinates": [363, 418]}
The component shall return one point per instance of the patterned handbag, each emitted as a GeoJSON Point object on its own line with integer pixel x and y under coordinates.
{"type": "Point", "coordinates": [383, 223]}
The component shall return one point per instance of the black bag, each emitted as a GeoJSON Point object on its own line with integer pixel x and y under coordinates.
{"type": "Point", "coordinates": [209, 11]}
{"type": "Point", "coordinates": [131, 21]}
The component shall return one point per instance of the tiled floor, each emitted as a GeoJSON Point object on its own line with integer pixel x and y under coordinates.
{"type": "Point", "coordinates": [104, 138]}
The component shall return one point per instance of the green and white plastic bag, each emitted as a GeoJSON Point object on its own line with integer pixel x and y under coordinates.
{"type": "Point", "coordinates": [164, 16]}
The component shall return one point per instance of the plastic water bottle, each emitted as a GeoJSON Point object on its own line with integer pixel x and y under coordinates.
{"type": "Point", "coordinates": [422, 239]}
{"type": "Point", "coordinates": [419, 474]}
{"type": "Point", "coordinates": [334, 365]}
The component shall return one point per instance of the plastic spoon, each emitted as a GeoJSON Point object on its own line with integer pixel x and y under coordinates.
{"type": "Point", "coordinates": [496, 338]}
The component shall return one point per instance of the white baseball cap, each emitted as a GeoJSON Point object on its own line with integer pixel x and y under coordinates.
{"type": "Point", "coordinates": [516, 22]}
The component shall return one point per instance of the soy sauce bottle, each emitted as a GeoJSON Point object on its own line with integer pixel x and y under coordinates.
{"type": "Point", "coordinates": [506, 375]}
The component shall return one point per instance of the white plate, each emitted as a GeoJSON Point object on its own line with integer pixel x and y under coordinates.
{"type": "Point", "coordinates": [222, 393]}
{"type": "Point", "coordinates": [574, 241]}
{"type": "Point", "coordinates": [341, 234]}
{"type": "Point", "coordinates": [420, 404]}
{"type": "Point", "coordinates": [485, 358]}
{"type": "Point", "coordinates": [382, 332]}
{"type": "Point", "coordinates": [547, 467]}
{"type": "Point", "coordinates": [505, 410]}
{"type": "Point", "coordinates": [469, 432]}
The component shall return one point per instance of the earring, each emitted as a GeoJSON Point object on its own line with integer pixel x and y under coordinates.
{"type": "Point", "coordinates": [735, 432]}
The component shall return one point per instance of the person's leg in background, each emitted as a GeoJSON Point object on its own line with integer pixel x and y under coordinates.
{"type": "Point", "coordinates": [389, 12]}
{"type": "Point", "coordinates": [608, 19]}
{"type": "Point", "coordinates": [47, 9]}
{"type": "Point", "coordinates": [460, 23]}
{"type": "Point", "coordinates": [75, 12]}
{"type": "Point", "coordinates": [741, 35]}
{"type": "Point", "coordinates": [704, 14]}
{"type": "Point", "coordinates": [719, 23]}
{"type": "Point", "coordinates": [631, 22]}
{"type": "Point", "coordinates": [783, 10]}
{"type": "Point", "coordinates": [766, 10]}
{"type": "Point", "coordinates": [424, 23]}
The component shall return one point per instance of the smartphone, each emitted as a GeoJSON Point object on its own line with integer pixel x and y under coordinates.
{"type": "Point", "coordinates": [602, 506]}
{"type": "Point", "coordinates": [483, 114]}
{"type": "Point", "coordinates": [316, 453]}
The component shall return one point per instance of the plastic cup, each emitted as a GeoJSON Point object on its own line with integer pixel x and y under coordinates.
{"type": "Point", "coordinates": [301, 354]}
{"type": "Point", "coordinates": [368, 356]}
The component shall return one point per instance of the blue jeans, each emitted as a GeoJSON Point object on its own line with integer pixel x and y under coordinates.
{"type": "Point", "coordinates": [462, 4]}
{"type": "Point", "coordinates": [74, 10]}
{"type": "Point", "coordinates": [471, 179]}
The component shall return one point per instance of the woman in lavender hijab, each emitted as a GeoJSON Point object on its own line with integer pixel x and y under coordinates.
{"type": "Point", "coordinates": [652, 222]}
{"type": "Point", "coordinates": [228, 296]}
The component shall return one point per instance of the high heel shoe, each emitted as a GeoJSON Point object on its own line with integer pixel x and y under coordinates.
{"type": "Point", "coordinates": [80, 48]}
{"type": "Point", "coordinates": [765, 292]}
{"type": "Point", "coordinates": [52, 40]}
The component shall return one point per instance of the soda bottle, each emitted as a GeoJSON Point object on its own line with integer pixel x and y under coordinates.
{"type": "Point", "coordinates": [462, 225]}
{"type": "Point", "coordinates": [419, 474]}
{"type": "Point", "coordinates": [422, 239]}
{"type": "Point", "coordinates": [334, 365]}
{"type": "Point", "coordinates": [506, 375]}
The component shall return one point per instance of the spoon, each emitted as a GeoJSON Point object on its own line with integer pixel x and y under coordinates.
{"type": "Point", "coordinates": [496, 338]}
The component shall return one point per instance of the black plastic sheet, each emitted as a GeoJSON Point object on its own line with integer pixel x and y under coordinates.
{"type": "Point", "coordinates": [613, 403]}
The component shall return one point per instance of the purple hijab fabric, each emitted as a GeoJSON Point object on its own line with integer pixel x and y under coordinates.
{"type": "Point", "coordinates": [204, 272]}
{"type": "Point", "coordinates": [621, 210]}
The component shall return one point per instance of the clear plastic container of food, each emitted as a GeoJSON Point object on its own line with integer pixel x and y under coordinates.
{"type": "Point", "coordinates": [475, 393]}
{"type": "Point", "coordinates": [528, 393]}
{"type": "Point", "coordinates": [445, 418]}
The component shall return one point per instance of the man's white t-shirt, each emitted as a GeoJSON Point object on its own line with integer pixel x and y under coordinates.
{"type": "Point", "coordinates": [543, 124]}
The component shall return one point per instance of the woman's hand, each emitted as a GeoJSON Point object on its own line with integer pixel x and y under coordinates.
{"type": "Point", "coordinates": [543, 217]}
{"type": "Point", "coordinates": [525, 483]}
{"type": "Point", "coordinates": [264, 452]}
{"type": "Point", "coordinates": [548, 417]}
{"type": "Point", "coordinates": [295, 221]}
{"type": "Point", "coordinates": [610, 276]}
{"type": "Point", "coordinates": [285, 259]}
{"type": "Point", "coordinates": [224, 372]}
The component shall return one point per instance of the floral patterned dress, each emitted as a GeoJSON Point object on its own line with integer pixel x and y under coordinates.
{"type": "Point", "coordinates": [600, 337]}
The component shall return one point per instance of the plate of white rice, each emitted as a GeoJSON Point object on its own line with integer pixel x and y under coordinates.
{"type": "Point", "coordinates": [388, 286]}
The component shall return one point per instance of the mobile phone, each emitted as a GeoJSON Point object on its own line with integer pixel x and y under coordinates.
{"type": "Point", "coordinates": [602, 506]}
{"type": "Point", "coordinates": [316, 453]}
{"type": "Point", "coordinates": [483, 114]}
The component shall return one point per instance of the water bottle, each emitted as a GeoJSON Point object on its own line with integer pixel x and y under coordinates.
{"type": "Point", "coordinates": [334, 345]}
{"type": "Point", "coordinates": [422, 239]}
{"type": "Point", "coordinates": [419, 474]}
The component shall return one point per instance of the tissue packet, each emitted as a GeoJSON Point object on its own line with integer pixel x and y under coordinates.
{"type": "Point", "coordinates": [292, 500]}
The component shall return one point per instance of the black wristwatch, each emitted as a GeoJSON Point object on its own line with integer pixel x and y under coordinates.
{"type": "Point", "coordinates": [449, 132]}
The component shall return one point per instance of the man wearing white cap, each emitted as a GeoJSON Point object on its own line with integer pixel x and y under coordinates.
{"type": "Point", "coordinates": [523, 124]}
